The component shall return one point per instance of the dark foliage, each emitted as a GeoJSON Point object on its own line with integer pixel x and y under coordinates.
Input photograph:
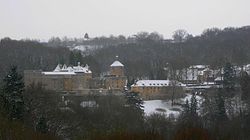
{"type": "Point", "coordinates": [12, 95]}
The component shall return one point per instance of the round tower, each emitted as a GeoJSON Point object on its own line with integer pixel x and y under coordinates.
{"type": "Point", "coordinates": [117, 68]}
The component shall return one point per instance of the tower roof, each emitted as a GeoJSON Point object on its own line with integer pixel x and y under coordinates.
{"type": "Point", "coordinates": [117, 64]}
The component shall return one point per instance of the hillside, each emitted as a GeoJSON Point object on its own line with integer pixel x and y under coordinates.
{"type": "Point", "coordinates": [144, 55]}
{"type": "Point", "coordinates": [147, 58]}
{"type": "Point", "coordinates": [29, 55]}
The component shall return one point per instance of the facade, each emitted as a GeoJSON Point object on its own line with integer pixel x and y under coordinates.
{"type": "Point", "coordinates": [198, 74]}
{"type": "Point", "coordinates": [77, 78]}
{"type": "Point", "coordinates": [63, 78]}
{"type": "Point", "coordinates": [150, 88]}
{"type": "Point", "coordinates": [114, 80]}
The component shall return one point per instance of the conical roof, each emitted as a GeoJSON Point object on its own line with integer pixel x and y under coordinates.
{"type": "Point", "coordinates": [57, 69]}
{"type": "Point", "coordinates": [117, 64]}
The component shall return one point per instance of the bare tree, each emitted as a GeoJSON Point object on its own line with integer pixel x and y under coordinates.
{"type": "Point", "coordinates": [180, 35]}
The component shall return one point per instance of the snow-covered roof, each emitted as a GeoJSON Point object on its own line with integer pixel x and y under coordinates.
{"type": "Point", "coordinates": [198, 66]}
{"type": "Point", "coordinates": [117, 64]}
{"type": "Point", "coordinates": [57, 69]}
{"type": "Point", "coordinates": [68, 70]}
{"type": "Point", "coordinates": [155, 83]}
{"type": "Point", "coordinates": [58, 73]}
{"type": "Point", "coordinates": [218, 79]}
{"type": "Point", "coordinates": [80, 69]}
{"type": "Point", "coordinates": [208, 83]}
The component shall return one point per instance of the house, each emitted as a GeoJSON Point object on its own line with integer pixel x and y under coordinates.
{"type": "Point", "coordinates": [191, 75]}
{"type": "Point", "coordinates": [150, 88]}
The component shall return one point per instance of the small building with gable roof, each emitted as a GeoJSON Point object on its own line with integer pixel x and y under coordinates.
{"type": "Point", "coordinates": [157, 88]}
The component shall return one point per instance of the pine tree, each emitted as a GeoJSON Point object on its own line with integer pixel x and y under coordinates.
{"type": "Point", "coordinates": [134, 101]}
{"type": "Point", "coordinates": [41, 125]}
{"type": "Point", "coordinates": [228, 77]}
{"type": "Point", "coordinates": [193, 105]}
{"type": "Point", "coordinates": [220, 112]}
{"type": "Point", "coordinates": [72, 59]}
{"type": "Point", "coordinates": [75, 57]}
{"type": "Point", "coordinates": [186, 108]}
{"type": "Point", "coordinates": [245, 86]}
{"type": "Point", "coordinates": [12, 95]}
{"type": "Point", "coordinates": [86, 36]}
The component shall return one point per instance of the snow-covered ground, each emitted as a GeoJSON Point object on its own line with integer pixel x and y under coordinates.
{"type": "Point", "coordinates": [165, 107]}
{"type": "Point", "coordinates": [84, 48]}
{"type": "Point", "coordinates": [160, 106]}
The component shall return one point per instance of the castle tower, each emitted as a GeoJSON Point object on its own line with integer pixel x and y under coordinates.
{"type": "Point", "coordinates": [117, 68]}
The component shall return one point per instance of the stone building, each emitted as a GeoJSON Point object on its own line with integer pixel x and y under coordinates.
{"type": "Point", "coordinates": [63, 78]}
{"type": "Point", "coordinates": [153, 88]}
{"type": "Point", "coordinates": [115, 79]}
{"type": "Point", "coordinates": [78, 79]}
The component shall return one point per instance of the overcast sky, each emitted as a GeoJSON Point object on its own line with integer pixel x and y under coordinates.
{"type": "Point", "coordinates": [42, 19]}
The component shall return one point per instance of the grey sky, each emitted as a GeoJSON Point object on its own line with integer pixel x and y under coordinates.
{"type": "Point", "coordinates": [41, 19]}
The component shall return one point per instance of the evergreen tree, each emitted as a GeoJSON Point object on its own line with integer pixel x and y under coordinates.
{"type": "Point", "coordinates": [193, 105]}
{"type": "Point", "coordinates": [186, 108]}
{"type": "Point", "coordinates": [75, 57]}
{"type": "Point", "coordinates": [41, 125]}
{"type": "Point", "coordinates": [228, 77]}
{"type": "Point", "coordinates": [134, 101]}
{"type": "Point", "coordinates": [220, 112]}
{"type": "Point", "coordinates": [245, 86]}
{"type": "Point", "coordinates": [78, 57]}
{"type": "Point", "coordinates": [86, 36]}
{"type": "Point", "coordinates": [12, 95]}
{"type": "Point", "coordinates": [72, 59]}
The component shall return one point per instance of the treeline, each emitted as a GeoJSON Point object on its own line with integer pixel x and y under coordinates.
{"type": "Point", "coordinates": [144, 54]}
{"type": "Point", "coordinates": [93, 41]}
{"type": "Point", "coordinates": [148, 57]}
{"type": "Point", "coordinates": [29, 55]}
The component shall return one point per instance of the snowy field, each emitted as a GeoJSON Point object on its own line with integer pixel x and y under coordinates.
{"type": "Point", "coordinates": [165, 107]}
{"type": "Point", "coordinates": [84, 48]}
{"type": "Point", "coordinates": [162, 107]}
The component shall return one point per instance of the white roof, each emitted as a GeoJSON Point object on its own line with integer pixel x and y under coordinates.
{"type": "Point", "coordinates": [219, 79]}
{"type": "Point", "coordinates": [198, 66]}
{"type": "Point", "coordinates": [68, 70]}
{"type": "Point", "coordinates": [58, 73]}
{"type": "Point", "coordinates": [154, 83]}
{"type": "Point", "coordinates": [80, 69]}
{"type": "Point", "coordinates": [57, 69]}
{"type": "Point", "coordinates": [117, 64]}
